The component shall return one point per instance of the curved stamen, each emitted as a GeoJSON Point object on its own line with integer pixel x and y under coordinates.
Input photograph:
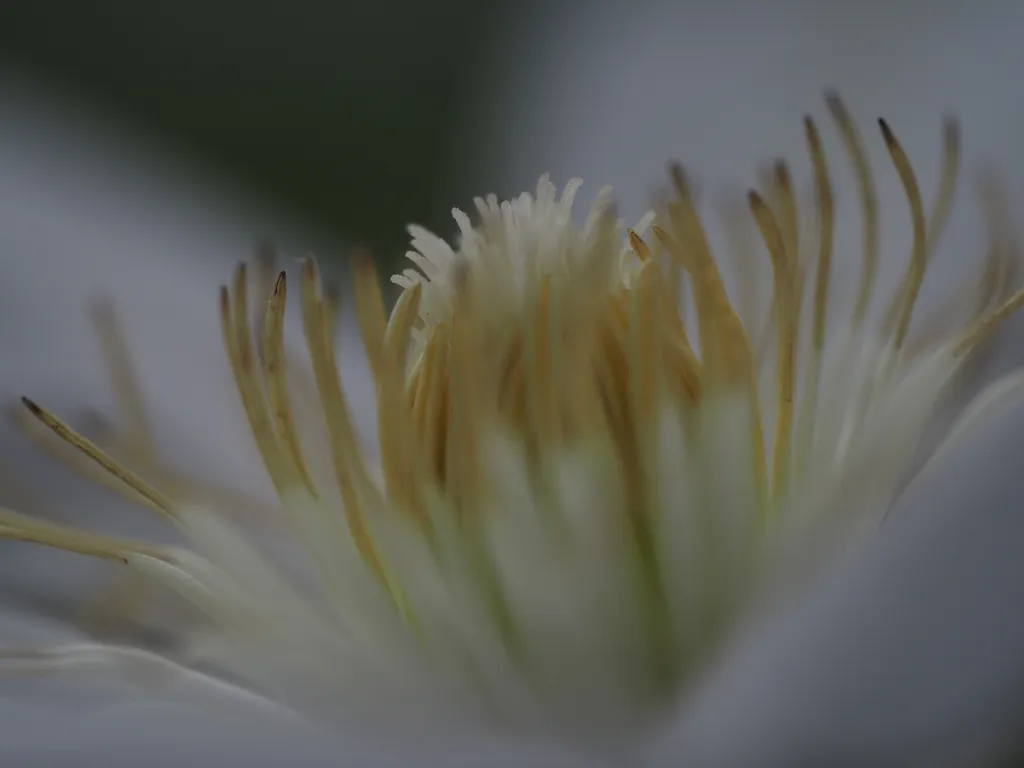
{"type": "Point", "coordinates": [785, 302]}
{"type": "Point", "coordinates": [919, 253]}
{"type": "Point", "coordinates": [868, 203]}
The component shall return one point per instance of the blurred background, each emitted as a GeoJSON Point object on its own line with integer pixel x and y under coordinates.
{"type": "Point", "coordinates": [343, 113]}
{"type": "Point", "coordinates": [360, 117]}
{"type": "Point", "coordinates": [356, 118]}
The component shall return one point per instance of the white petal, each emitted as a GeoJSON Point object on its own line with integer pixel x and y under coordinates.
{"type": "Point", "coordinates": [910, 652]}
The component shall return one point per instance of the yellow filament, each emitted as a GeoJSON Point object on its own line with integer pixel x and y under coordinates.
{"type": "Point", "coordinates": [645, 365]}
{"type": "Point", "coordinates": [277, 385]}
{"type": "Point", "coordinates": [265, 280]}
{"type": "Point", "coordinates": [234, 316]}
{"type": "Point", "coordinates": [107, 462]}
{"type": "Point", "coordinates": [919, 255]}
{"type": "Point", "coordinates": [432, 400]}
{"type": "Point", "coordinates": [17, 527]}
{"type": "Point", "coordinates": [398, 452]}
{"type": "Point", "coordinates": [672, 313]}
{"type": "Point", "coordinates": [789, 225]}
{"type": "Point", "coordinates": [542, 377]}
{"type": "Point", "coordinates": [398, 335]}
{"type": "Point", "coordinates": [725, 349]}
{"type": "Point", "coordinates": [345, 453]}
{"type": "Point", "coordinates": [723, 342]}
{"type": "Point", "coordinates": [743, 251]}
{"type": "Point", "coordinates": [785, 303]}
{"type": "Point", "coordinates": [826, 224]}
{"type": "Point", "coordinates": [939, 213]}
{"type": "Point", "coordinates": [868, 203]}
{"type": "Point", "coordinates": [463, 475]}
{"type": "Point", "coordinates": [981, 329]}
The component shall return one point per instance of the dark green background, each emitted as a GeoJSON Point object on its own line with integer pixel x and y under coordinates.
{"type": "Point", "coordinates": [344, 112]}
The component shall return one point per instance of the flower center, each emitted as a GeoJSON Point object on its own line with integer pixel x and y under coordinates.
{"type": "Point", "coordinates": [555, 340]}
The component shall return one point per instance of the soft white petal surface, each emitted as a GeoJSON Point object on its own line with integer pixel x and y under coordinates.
{"type": "Point", "coordinates": [912, 650]}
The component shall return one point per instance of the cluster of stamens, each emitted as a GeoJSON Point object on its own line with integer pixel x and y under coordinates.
{"type": "Point", "coordinates": [582, 350]}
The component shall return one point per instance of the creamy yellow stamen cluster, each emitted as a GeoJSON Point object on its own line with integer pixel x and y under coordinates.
{"type": "Point", "coordinates": [581, 482]}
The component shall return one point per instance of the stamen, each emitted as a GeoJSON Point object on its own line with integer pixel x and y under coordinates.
{"type": "Point", "coordinates": [234, 317]}
{"type": "Point", "coordinates": [399, 457]}
{"type": "Point", "coordinates": [679, 356]}
{"type": "Point", "coordinates": [868, 203]}
{"type": "Point", "coordinates": [541, 380]}
{"type": "Point", "coordinates": [274, 365]}
{"type": "Point", "coordinates": [725, 350]}
{"type": "Point", "coordinates": [266, 277]}
{"type": "Point", "coordinates": [786, 309]}
{"type": "Point", "coordinates": [743, 250]}
{"type": "Point", "coordinates": [939, 213]}
{"type": "Point", "coordinates": [671, 312]}
{"type": "Point", "coordinates": [723, 342]}
{"type": "Point", "coordinates": [17, 527]}
{"type": "Point", "coordinates": [919, 256]}
{"type": "Point", "coordinates": [789, 226]}
{"type": "Point", "coordinates": [348, 466]}
{"type": "Point", "coordinates": [463, 475]}
{"type": "Point", "coordinates": [107, 462]}
{"type": "Point", "coordinates": [826, 222]}
{"type": "Point", "coordinates": [645, 363]}
{"type": "Point", "coordinates": [430, 409]}
{"type": "Point", "coordinates": [981, 329]}
{"type": "Point", "coordinates": [398, 336]}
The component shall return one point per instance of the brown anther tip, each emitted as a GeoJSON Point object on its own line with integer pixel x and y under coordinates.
{"type": "Point", "coordinates": [225, 298]}
{"type": "Point", "coordinates": [781, 171]}
{"type": "Point", "coordinates": [279, 284]}
{"type": "Point", "coordinates": [31, 405]}
{"type": "Point", "coordinates": [887, 134]}
{"type": "Point", "coordinates": [638, 245]}
{"type": "Point", "coordinates": [754, 200]}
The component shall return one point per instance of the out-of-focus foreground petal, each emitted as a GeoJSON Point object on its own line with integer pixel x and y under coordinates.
{"type": "Point", "coordinates": [160, 733]}
{"type": "Point", "coordinates": [91, 210]}
{"type": "Point", "coordinates": [910, 655]}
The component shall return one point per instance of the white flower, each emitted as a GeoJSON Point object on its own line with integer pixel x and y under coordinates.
{"type": "Point", "coordinates": [584, 485]}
